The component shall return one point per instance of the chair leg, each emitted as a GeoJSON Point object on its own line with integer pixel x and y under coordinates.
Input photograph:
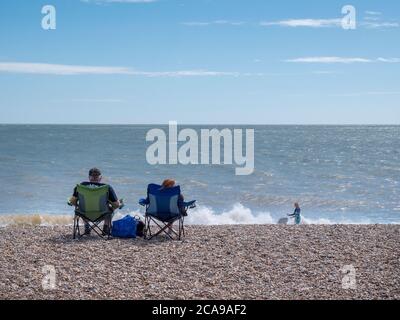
{"type": "Point", "coordinates": [96, 228]}
{"type": "Point", "coordinates": [147, 231]}
{"type": "Point", "coordinates": [74, 231]}
{"type": "Point", "coordinates": [164, 227]}
{"type": "Point", "coordinates": [183, 226]}
{"type": "Point", "coordinates": [78, 228]}
{"type": "Point", "coordinates": [109, 227]}
{"type": "Point", "coordinates": [108, 222]}
{"type": "Point", "coordinates": [169, 230]}
{"type": "Point", "coordinates": [180, 229]}
{"type": "Point", "coordinates": [161, 228]}
{"type": "Point", "coordinates": [93, 226]}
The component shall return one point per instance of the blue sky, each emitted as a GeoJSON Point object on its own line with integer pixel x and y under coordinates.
{"type": "Point", "coordinates": [200, 61]}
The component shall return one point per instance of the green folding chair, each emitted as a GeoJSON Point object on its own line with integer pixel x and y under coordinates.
{"type": "Point", "coordinates": [93, 208]}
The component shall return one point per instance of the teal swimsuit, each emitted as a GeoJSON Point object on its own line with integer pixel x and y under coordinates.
{"type": "Point", "coordinates": [297, 216]}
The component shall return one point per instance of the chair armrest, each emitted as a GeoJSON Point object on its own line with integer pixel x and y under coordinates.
{"type": "Point", "coordinates": [190, 204]}
{"type": "Point", "coordinates": [143, 202]}
{"type": "Point", "coordinates": [70, 204]}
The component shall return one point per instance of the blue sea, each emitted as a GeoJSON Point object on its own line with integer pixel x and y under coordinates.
{"type": "Point", "coordinates": [338, 174]}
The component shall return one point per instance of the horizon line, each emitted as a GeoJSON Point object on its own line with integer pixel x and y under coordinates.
{"type": "Point", "coordinates": [200, 124]}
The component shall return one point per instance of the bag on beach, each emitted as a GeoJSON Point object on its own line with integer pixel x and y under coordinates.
{"type": "Point", "coordinates": [125, 227]}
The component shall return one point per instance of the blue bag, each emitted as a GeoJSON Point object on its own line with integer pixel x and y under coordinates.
{"type": "Point", "coordinates": [124, 228]}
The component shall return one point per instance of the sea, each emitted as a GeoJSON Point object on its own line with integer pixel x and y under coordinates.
{"type": "Point", "coordinates": [338, 174]}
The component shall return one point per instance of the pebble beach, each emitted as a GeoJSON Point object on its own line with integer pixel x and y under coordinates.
{"type": "Point", "coordinates": [306, 262]}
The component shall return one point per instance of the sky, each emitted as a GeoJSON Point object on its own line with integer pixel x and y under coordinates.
{"type": "Point", "coordinates": [200, 62]}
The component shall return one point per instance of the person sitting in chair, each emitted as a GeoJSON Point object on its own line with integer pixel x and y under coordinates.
{"type": "Point", "coordinates": [170, 183]}
{"type": "Point", "coordinates": [164, 206]}
{"type": "Point", "coordinates": [94, 182]}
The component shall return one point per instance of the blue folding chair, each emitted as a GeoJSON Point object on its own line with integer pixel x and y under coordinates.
{"type": "Point", "coordinates": [163, 208]}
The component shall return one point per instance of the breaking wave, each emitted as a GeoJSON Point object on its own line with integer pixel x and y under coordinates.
{"type": "Point", "coordinates": [237, 215]}
{"type": "Point", "coordinates": [35, 220]}
{"type": "Point", "coordinates": [205, 216]}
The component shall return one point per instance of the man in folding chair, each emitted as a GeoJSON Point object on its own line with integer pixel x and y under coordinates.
{"type": "Point", "coordinates": [94, 203]}
{"type": "Point", "coordinates": [165, 206]}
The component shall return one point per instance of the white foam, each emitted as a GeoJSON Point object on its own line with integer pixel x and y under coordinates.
{"type": "Point", "coordinates": [325, 221]}
{"type": "Point", "coordinates": [35, 220]}
{"type": "Point", "coordinates": [237, 215]}
{"type": "Point", "coordinates": [241, 215]}
{"type": "Point", "coordinates": [316, 221]}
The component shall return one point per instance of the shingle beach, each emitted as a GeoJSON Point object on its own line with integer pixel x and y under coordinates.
{"type": "Point", "coordinates": [213, 262]}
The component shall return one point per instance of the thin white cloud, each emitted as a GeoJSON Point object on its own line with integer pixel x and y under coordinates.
{"type": "Point", "coordinates": [329, 60]}
{"type": "Point", "coordinates": [368, 18]}
{"type": "Point", "coordinates": [373, 13]}
{"type": "Point", "coordinates": [389, 60]}
{"type": "Point", "coordinates": [342, 60]}
{"type": "Point", "coordinates": [381, 93]}
{"type": "Point", "coordinates": [312, 23]}
{"type": "Point", "coordinates": [97, 100]}
{"type": "Point", "coordinates": [118, 1]}
{"type": "Point", "coordinates": [196, 24]}
{"type": "Point", "coordinates": [379, 25]}
{"type": "Point", "coordinates": [320, 72]}
{"type": "Point", "coordinates": [209, 23]}
{"type": "Point", "coordinates": [371, 21]}
{"type": "Point", "coordinates": [58, 69]}
{"type": "Point", "coordinates": [370, 93]}
{"type": "Point", "coordinates": [187, 73]}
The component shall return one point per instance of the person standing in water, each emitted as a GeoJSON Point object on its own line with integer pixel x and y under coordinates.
{"type": "Point", "coordinates": [296, 214]}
